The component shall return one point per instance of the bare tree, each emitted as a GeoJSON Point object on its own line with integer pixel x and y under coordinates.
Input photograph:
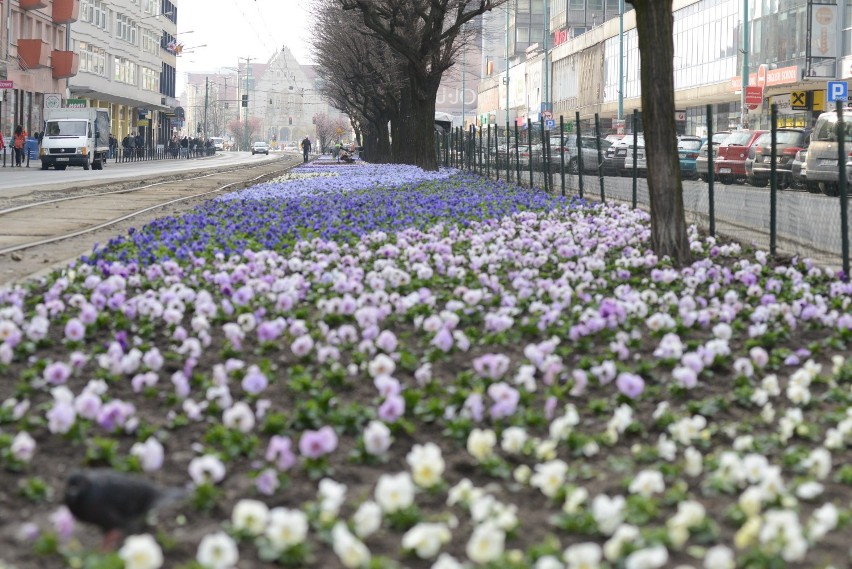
{"type": "Point", "coordinates": [656, 51]}
{"type": "Point", "coordinates": [241, 134]}
{"type": "Point", "coordinates": [329, 130]}
{"type": "Point", "coordinates": [426, 34]}
{"type": "Point", "coordinates": [362, 75]}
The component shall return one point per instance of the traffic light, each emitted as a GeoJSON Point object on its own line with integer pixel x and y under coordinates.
{"type": "Point", "coordinates": [290, 120]}
{"type": "Point", "coordinates": [245, 100]}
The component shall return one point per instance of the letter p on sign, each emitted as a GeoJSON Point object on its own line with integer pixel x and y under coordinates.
{"type": "Point", "coordinates": [838, 91]}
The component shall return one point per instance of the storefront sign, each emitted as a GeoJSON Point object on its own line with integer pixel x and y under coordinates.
{"type": "Point", "coordinates": [780, 76]}
{"type": "Point", "coordinates": [76, 103]}
{"type": "Point", "coordinates": [799, 100]}
{"type": "Point", "coordinates": [823, 31]}
{"type": "Point", "coordinates": [560, 37]}
{"type": "Point", "coordinates": [7, 84]}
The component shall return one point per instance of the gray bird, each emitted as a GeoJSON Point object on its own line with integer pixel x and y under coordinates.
{"type": "Point", "coordinates": [117, 503]}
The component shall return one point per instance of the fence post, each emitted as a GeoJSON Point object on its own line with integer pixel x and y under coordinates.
{"type": "Point", "coordinates": [710, 193]}
{"type": "Point", "coordinates": [529, 149]}
{"type": "Point", "coordinates": [844, 190]}
{"type": "Point", "coordinates": [635, 194]}
{"type": "Point", "coordinates": [545, 163]}
{"type": "Point", "coordinates": [562, 153]}
{"type": "Point", "coordinates": [488, 154]}
{"type": "Point", "coordinates": [600, 157]}
{"type": "Point", "coordinates": [479, 153]}
{"type": "Point", "coordinates": [508, 160]}
{"type": "Point", "coordinates": [517, 156]}
{"type": "Point", "coordinates": [579, 154]}
{"type": "Point", "coordinates": [773, 182]}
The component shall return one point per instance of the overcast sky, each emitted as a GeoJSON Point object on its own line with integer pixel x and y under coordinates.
{"type": "Point", "coordinates": [235, 29]}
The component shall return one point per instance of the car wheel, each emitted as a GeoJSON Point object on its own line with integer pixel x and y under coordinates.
{"type": "Point", "coordinates": [757, 182]}
{"type": "Point", "coordinates": [726, 179]}
{"type": "Point", "coordinates": [86, 165]}
{"type": "Point", "coordinates": [703, 177]}
{"type": "Point", "coordinates": [812, 187]}
{"type": "Point", "coordinates": [44, 166]}
{"type": "Point", "coordinates": [60, 166]}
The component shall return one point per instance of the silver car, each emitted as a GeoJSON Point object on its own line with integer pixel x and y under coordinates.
{"type": "Point", "coordinates": [823, 170]}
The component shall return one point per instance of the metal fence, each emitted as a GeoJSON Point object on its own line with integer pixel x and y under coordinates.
{"type": "Point", "coordinates": [574, 159]}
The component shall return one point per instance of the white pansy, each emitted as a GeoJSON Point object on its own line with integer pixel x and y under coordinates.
{"type": "Point", "coordinates": [394, 492]}
{"type": "Point", "coordinates": [647, 483]}
{"type": "Point", "coordinates": [782, 533]}
{"type": "Point", "coordinates": [648, 558]}
{"type": "Point", "coordinates": [608, 512]}
{"type": "Point", "coordinates": [719, 557]}
{"type": "Point", "coordinates": [463, 493]}
{"type": "Point", "coordinates": [250, 516]}
{"type": "Point", "coordinates": [751, 501]}
{"type": "Point", "coordinates": [624, 534]}
{"type": "Point", "coordinates": [351, 551]}
{"type": "Point", "coordinates": [694, 462]}
{"type": "Point", "coordinates": [287, 527]}
{"type": "Point", "coordinates": [426, 539]}
{"type": "Point", "coordinates": [377, 438]}
{"type": "Point", "coordinates": [754, 466]}
{"type": "Point", "coordinates": [480, 443]}
{"type": "Point", "coordinates": [824, 520]}
{"type": "Point", "coordinates": [549, 477]}
{"type": "Point", "coordinates": [382, 364]}
{"type": "Point", "coordinates": [427, 464]}
{"type": "Point", "coordinates": [140, 552]}
{"type": "Point", "coordinates": [585, 555]}
{"type": "Point", "coordinates": [447, 561]}
{"type": "Point", "coordinates": [486, 543]}
{"type": "Point", "coordinates": [331, 495]}
{"type": "Point", "coordinates": [513, 439]}
{"type": "Point", "coordinates": [217, 551]}
{"type": "Point", "coordinates": [809, 490]}
{"type": "Point", "coordinates": [239, 417]}
{"type": "Point", "coordinates": [548, 562]}
{"type": "Point", "coordinates": [367, 519]}
{"type": "Point", "coordinates": [666, 448]}
{"type": "Point", "coordinates": [574, 500]}
{"type": "Point", "coordinates": [818, 463]}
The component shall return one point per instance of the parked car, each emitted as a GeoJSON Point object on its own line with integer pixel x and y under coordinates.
{"type": "Point", "coordinates": [641, 163]}
{"type": "Point", "coordinates": [822, 165]}
{"type": "Point", "coordinates": [729, 165]}
{"type": "Point", "coordinates": [218, 143]}
{"type": "Point", "coordinates": [701, 161]}
{"type": "Point", "coordinates": [788, 142]}
{"type": "Point", "coordinates": [589, 149]}
{"type": "Point", "coordinates": [259, 147]}
{"type": "Point", "coordinates": [615, 156]}
{"type": "Point", "coordinates": [687, 152]}
{"type": "Point", "coordinates": [798, 172]}
{"type": "Point", "coordinates": [528, 152]}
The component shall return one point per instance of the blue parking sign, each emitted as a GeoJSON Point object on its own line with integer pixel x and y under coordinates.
{"type": "Point", "coordinates": [838, 91]}
{"type": "Point", "coordinates": [550, 125]}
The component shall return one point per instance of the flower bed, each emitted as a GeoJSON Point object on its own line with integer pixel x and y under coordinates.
{"type": "Point", "coordinates": [444, 372]}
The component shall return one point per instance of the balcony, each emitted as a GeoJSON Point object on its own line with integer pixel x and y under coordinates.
{"type": "Point", "coordinates": [33, 4]}
{"type": "Point", "coordinates": [33, 53]}
{"type": "Point", "coordinates": [64, 63]}
{"type": "Point", "coordinates": [66, 11]}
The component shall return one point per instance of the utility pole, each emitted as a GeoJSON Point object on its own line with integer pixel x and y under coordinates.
{"type": "Point", "coordinates": [621, 60]}
{"type": "Point", "coordinates": [245, 126]}
{"type": "Point", "coordinates": [206, 104]}
{"type": "Point", "coordinates": [743, 108]}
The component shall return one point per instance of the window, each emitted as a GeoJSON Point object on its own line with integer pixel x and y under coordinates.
{"type": "Point", "coordinates": [92, 59]}
{"type": "Point", "coordinates": [522, 35]}
{"type": "Point", "coordinates": [576, 4]}
{"type": "Point", "coordinates": [94, 12]}
{"type": "Point", "coordinates": [125, 71]}
{"type": "Point", "coordinates": [537, 7]}
{"type": "Point", "coordinates": [595, 4]}
{"type": "Point", "coordinates": [150, 80]}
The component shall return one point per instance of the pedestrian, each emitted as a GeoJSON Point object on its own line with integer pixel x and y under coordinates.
{"type": "Point", "coordinates": [113, 145]}
{"type": "Point", "coordinates": [3, 147]}
{"type": "Point", "coordinates": [125, 147]}
{"type": "Point", "coordinates": [140, 146]}
{"type": "Point", "coordinates": [306, 148]}
{"type": "Point", "coordinates": [20, 140]}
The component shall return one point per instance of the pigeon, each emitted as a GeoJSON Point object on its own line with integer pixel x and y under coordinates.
{"type": "Point", "coordinates": [115, 502]}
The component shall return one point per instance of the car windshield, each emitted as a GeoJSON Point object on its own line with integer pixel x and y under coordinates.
{"type": "Point", "coordinates": [66, 128]}
{"type": "Point", "coordinates": [720, 137]}
{"type": "Point", "coordinates": [740, 138]}
{"type": "Point", "coordinates": [689, 144]}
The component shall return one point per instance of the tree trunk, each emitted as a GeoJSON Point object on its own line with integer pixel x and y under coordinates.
{"type": "Point", "coordinates": [414, 143]}
{"type": "Point", "coordinates": [656, 50]}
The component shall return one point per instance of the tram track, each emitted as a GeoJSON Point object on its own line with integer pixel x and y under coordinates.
{"type": "Point", "coordinates": [38, 232]}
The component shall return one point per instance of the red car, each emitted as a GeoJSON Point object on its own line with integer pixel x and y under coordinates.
{"type": "Point", "coordinates": [729, 163]}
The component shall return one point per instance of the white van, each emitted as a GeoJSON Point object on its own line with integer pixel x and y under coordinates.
{"type": "Point", "coordinates": [218, 142]}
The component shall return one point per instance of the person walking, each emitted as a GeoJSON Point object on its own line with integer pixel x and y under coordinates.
{"type": "Point", "coordinates": [306, 148]}
{"type": "Point", "coordinates": [20, 140]}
